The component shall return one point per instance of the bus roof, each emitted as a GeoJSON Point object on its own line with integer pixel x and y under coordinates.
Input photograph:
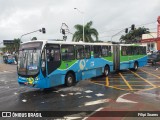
{"type": "Point", "coordinates": [79, 43]}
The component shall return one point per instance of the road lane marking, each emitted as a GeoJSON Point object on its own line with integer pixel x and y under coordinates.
{"type": "Point", "coordinates": [99, 109]}
{"type": "Point", "coordinates": [96, 102]}
{"type": "Point", "coordinates": [97, 81]}
{"type": "Point", "coordinates": [88, 91]}
{"type": "Point", "coordinates": [150, 74]}
{"type": "Point", "coordinates": [118, 88]}
{"type": "Point", "coordinates": [99, 94]}
{"type": "Point", "coordinates": [126, 81]}
{"type": "Point", "coordinates": [109, 86]}
{"type": "Point", "coordinates": [107, 82]}
{"type": "Point", "coordinates": [121, 99]}
{"type": "Point", "coordinates": [132, 85]}
{"type": "Point", "coordinates": [144, 79]}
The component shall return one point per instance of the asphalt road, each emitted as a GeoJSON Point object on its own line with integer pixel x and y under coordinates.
{"type": "Point", "coordinates": [87, 95]}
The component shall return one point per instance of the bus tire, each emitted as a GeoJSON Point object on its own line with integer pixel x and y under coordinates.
{"type": "Point", "coordinates": [135, 66]}
{"type": "Point", "coordinates": [106, 71]}
{"type": "Point", "coordinates": [69, 79]}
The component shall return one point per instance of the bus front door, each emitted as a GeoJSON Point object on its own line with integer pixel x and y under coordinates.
{"type": "Point", "coordinates": [116, 57]}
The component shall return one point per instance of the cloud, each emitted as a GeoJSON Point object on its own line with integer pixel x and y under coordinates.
{"type": "Point", "coordinates": [18, 17]}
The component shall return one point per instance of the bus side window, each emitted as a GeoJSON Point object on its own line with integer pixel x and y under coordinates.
{"type": "Point", "coordinates": [136, 50]}
{"type": "Point", "coordinates": [144, 51]}
{"type": "Point", "coordinates": [97, 51]}
{"type": "Point", "coordinates": [87, 52]}
{"type": "Point", "coordinates": [53, 53]}
{"type": "Point", "coordinates": [79, 51]}
{"type": "Point", "coordinates": [105, 51]}
{"type": "Point", "coordinates": [124, 50]}
{"type": "Point", "coordinates": [129, 50]}
{"type": "Point", "coordinates": [67, 52]}
{"type": "Point", "coordinates": [109, 51]}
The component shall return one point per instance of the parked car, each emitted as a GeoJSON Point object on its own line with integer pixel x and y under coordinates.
{"type": "Point", "coordinates": [153, 58]}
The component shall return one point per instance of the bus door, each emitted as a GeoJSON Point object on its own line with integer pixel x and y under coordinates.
{"type": "Point", "coordinates": [116, 57]}
{"type": "Point", "coordinates": [52, 57]}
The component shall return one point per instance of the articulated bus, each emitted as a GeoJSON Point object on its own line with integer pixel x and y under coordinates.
{"type": "Point", "coordinates": [45, 64]}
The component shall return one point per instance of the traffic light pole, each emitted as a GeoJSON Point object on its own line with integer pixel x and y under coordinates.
{"type": "Point", "coordinates": [40, 30]}
{"type": "Point", "coordinates": [116, 34]}
{"type": "Point", "coordinates": [126, 31]}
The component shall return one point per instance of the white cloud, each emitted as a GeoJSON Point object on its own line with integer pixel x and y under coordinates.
{"type": "Point", "coordinates": [18, 17]}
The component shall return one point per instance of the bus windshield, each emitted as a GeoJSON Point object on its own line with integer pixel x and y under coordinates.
{"type": "Point", "coordinates": [28, 60]}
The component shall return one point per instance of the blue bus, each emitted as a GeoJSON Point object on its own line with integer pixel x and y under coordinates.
{"type": "Point", "coordinates": [45, 64]}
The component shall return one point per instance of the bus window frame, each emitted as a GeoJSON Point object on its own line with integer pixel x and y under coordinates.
{"type": "Point", "coordinates": [108, 51]}
{"type": "Point", "coordinates": [87, 52]}
{"type": "Point", "coordinates": [81, 57]}
{"type": "Point", "coordinates": [99, 55]}
{"type": "Point", "coordinates": [67, 52]}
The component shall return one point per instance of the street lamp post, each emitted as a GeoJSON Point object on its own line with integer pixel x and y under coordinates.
{"type": "Point", "coordinates": [83, 20]}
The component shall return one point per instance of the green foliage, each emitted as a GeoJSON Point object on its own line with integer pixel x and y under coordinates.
{"type": "Point", "coordinates": [89, 32]}
{"type": "Point", "coordinates": [34, 38]}
{"type": "Point", "coordinates": [134, 35]}
{"type": "Point", "coordinates": [12, 47]}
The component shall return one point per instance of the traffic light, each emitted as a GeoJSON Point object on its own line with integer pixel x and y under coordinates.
{"type": "Point", "coordinates": [43, 30]}
{"type": "Point", "coordinates": [126, 30]}
{"type": "Point", "coordinates": [63, 31]}
{"type": "Point", "coordinates": [132, 27]}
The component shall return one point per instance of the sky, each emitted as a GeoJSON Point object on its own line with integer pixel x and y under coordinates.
{"type": "Point", "coordinates": [18, 17]}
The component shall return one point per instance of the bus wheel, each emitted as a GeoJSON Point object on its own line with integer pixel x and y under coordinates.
{"type": "Point", "coordinates": [106, 70]}
{"type": "Point", "coordinates": [69, 80]}
{"type": "Point", "coordinates": [135, 66]}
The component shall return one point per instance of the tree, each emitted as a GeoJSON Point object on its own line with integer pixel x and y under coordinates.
{"type": "Point", "coordinates": [13, 47]}
{"type": "Point", "coordinates": [134, 35]}
{"type": "Point", "coordinates": [34, 38]}
{"type": "Point", "coordinates": [16, 44]}
{"type": "Point", "coordinates": [89, 32]}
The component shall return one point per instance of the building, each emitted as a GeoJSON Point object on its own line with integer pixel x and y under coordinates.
{"type": "Point", "coordinates": [152, 40]}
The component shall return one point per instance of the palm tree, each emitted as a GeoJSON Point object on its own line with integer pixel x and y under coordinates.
{"type": "Point", "coordinates": [88, 33]}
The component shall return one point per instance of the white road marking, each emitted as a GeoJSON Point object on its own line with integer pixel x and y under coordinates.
{"type": "Point", "coordinates": [78, 93]}
{"type": "Point", "coordinates": [120, 99]}
{"type": "Point", "coordinates": [88, 96]}
{"type": "Point", "coordinates": [88, 91]}
{"type": "Point", "coordinates": [24, 100]}
{"type": "Point", "coordinates": [63, 95]}
{"type": "Point", "coordinates": [72, 118]}
{"type": "Point", "coordinates": [80, 97]}
{"type": "Point", "coordinates": [99, 94]}
{"type": "Point", "coordinates": [124, 100]}
{"type": "Point", "coordinates": [70, 93]}
{"type": "Point", "coordinates": [99, 109]}
{"type": "Point", "coordinates": [96, 102]}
